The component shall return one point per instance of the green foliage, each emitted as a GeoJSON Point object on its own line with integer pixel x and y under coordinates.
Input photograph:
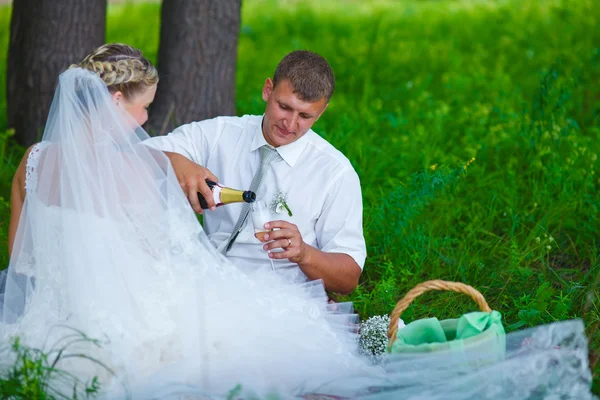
{"type": "Point", "coordinates": [512, 83]}
{"type": "Point", "coordinates": [36, 375]}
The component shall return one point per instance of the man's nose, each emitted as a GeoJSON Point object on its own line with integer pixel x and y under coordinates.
{"type": "Point", "coordinates": [293, 122]}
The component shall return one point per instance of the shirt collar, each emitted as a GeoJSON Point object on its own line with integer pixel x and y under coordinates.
{"type": "Point", "coordinates": [290, 152]}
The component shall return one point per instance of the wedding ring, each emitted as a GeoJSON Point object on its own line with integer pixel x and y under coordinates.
{"type": "Point", "coordinates": [289, 242]}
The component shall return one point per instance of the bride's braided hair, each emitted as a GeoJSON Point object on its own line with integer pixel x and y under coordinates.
{"type": "Point", "coordinates": [122, 67]}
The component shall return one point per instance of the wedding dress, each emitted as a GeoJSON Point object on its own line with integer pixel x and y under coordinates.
{"type": "Point", "coordinates": [108, 245]}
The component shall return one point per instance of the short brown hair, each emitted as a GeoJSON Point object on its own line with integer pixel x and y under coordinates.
{"type": "Point", "coordinates": [122, 68]}
{"type": "Point", "coordinates": [310, 75]}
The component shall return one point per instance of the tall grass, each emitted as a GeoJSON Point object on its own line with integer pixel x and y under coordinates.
{"type": "Point", "coordinates": [423, 88]}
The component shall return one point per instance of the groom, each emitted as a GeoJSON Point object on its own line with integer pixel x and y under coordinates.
{"type": "Point", "coordinates": [320, 236]}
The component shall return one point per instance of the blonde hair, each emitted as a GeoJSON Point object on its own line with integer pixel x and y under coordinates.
{"type": "Point", "coordinates": [122, 67]}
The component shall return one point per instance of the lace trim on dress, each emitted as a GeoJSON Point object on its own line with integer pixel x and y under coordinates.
{"type": "Point", "coordinates": [33, 160]}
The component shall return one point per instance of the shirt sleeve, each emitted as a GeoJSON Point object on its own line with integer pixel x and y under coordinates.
{"type": "Point", "coordinates": [191, 140]}
{"type": "Point", "coordinates": [339, 228]}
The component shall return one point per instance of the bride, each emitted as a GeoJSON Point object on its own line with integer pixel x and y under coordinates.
{"type": "Point", "coordinates": [103, 240]}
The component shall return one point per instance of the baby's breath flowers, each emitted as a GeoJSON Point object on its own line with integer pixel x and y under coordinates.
{"type": "Point", "coordinates": [278, 204]}
{"type": "Point", "coordinates": [373, 339]}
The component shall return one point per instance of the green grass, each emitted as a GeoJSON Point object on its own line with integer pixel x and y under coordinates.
{"type": "Point", "coordinates": [512, 83]}
{"type": "Point", "coordinates": [37, 374]}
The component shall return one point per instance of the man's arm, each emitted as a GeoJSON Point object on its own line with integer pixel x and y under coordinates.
{"type": "Point", "coordinates": [186, 147]}
{"type": "Point", "coordinates": [340, 273]}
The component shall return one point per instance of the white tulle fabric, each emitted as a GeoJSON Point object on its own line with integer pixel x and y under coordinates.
{"type": "Point", "coordinates": [107, 244]}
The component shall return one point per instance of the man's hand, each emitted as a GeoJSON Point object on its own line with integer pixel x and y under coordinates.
{"type": "Point", "coordinates": [191, 177]}
{"type": "Point", "coordinates": [339, 271]}
{"type": "Point", "coordinates": [288, 237]}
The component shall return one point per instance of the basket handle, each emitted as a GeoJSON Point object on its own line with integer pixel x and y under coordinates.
{"type": "Point", "coordinates": [426, 286]}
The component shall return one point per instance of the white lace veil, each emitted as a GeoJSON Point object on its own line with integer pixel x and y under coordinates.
{"type": "Point", "coordinates": [105, 244]}
{"type": "Point", "coordinates": [104, 219]}
{"type": "Point", "coordinates": [91, 162]}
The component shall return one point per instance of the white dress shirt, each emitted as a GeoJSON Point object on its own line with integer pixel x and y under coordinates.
{"type": "Point", "coordinates": [320, 185]}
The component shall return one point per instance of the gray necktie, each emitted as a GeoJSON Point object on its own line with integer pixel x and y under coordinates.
{"type": "Point", "coordinates": [267, 155]}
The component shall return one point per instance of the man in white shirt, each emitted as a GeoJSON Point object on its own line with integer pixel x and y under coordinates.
{"type": "Point", "coordinates": [323, 238]}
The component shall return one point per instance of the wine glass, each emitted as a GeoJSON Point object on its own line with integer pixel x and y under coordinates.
{"type": "Point", "coordinates": [260, 216]}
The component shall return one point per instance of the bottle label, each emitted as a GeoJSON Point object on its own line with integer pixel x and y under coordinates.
{"type": "Point", "coordinates": [217, 194]}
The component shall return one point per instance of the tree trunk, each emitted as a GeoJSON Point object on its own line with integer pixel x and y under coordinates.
{"type": "Point", "coordinates": [46, 36]}
{"type": "Point", "coordinates": [196, 62]}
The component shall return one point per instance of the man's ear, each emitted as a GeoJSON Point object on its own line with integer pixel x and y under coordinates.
{"type": "Point", "coordinates": [117, 97]}
{"type": "Point", "coordinates": [267, 89]}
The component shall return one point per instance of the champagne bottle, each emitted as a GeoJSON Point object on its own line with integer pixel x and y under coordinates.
{"type": "Point", "coordinates": [223, 195]}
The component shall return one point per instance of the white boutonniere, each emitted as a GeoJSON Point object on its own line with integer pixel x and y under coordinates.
{"type": "Point", "coordinates": [278, 204]}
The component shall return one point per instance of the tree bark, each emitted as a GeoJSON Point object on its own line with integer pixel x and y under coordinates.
{"type": "Point", "coordinates": [46, 36]}
{"type": "Point", "coordinates": [196, 62]}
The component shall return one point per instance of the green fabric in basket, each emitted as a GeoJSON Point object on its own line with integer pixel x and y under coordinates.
{"type": "Point", "coordinates": [479, 333]}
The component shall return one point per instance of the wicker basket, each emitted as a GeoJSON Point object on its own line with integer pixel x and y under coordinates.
{"type": "Point", "coordinates": [495, 337]}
